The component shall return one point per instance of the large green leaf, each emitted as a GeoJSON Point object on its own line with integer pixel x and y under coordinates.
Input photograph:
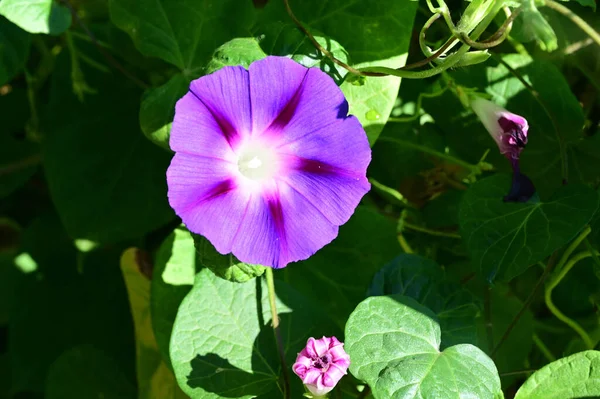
{"type": "Point", "coordinates": [339, 274]}
{"type": "Point", "coordinates": [18, 157]}
{"type": "Point", "coordinates": [182, 32]}
{"type": "Point", "coordinates": [575, 376]}
{"type": "Point", "coordinates": [369, 31]}
{"type": "Point", "coordinates": [426, 282]}
{"type": "Point", "coordinates": [4, 376]}
{"type": "Point", "coordinates": [18, 161]}
{"type": "Point", "coordinates": [222, 343]}
{"type": "Point", "coordinates": [37, 16]}
{"type": "Point", "coordinates": [107, 182]}
{"type": "Point", "coordinates": [505, 238]}
{"type": "Point", "coordinates": [14, 49]}
{"type": "Point", "coordinates": [394, 343]}
{"type": "Point", "coordinates": [85, 372]}
{"type": "Point", "coordinates": [158, 108]}
{"type": "Point", "coordinates": [173, 276]}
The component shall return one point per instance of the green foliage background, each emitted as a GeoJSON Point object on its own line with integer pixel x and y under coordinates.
{"type": "Point", "coordinates": [438, 288]}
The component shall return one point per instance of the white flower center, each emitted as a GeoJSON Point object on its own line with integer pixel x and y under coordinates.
{"type": "Point", "coordinates": [257, 162]}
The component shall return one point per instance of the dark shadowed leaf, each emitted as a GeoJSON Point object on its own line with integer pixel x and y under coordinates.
{"type": "Point", "coordinates": [107, 181]}
{"type": "Point", "coordinates": [14, 49]}
{"type": "Point", "coordinates": [426, 282]}
{"type": "Point", "coordinates": [505, 238]}
{"type": "Point", "coordinates": [86, 372]}
{"type": "Point", "coordinates": [366, 243]}
{"type": "Point", "coordinates": [182, 32]}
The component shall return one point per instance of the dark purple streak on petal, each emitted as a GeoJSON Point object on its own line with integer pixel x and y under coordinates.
{"type": "Point", "coordinates": [314, 166]}
{"type": "Point", "coordinates": [229, 132]}
{"type": "Point", "coordinates": [287, 113]}
{"type": "Point", "coordinates": [217, 190]}
{"type": "Point", "coordinates": [276, 211]}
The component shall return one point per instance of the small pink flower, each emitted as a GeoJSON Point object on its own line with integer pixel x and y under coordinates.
{"type": "Point", "coordinates": [507, 129]}
{"type": "Point", "coordinates": [321, 364]}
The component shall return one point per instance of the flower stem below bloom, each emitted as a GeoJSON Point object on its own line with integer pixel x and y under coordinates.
{"type": "Point", "coordinates": [275, 323]}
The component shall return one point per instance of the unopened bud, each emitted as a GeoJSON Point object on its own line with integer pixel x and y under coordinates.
{"type": "Point", "coordinates": [321, 364]}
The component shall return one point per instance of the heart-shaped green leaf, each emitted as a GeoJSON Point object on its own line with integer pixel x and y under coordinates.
{"type": "Point", "coordinates": [505, 238]}
{"type": "Point", "coordinates": [394, 343]}
{"type": "Point", "coordinates": [575, 376]}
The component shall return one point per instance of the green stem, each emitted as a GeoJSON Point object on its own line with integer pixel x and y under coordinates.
{"type": "Point", "coordinates": [554, 281]}
{"type": "Point", "coordinates": [391, 192]}
{"type": "Point", "coordinates": [525, 306]}
{"type": "Point", "coordinates": [430, 232]}
{"type": "Point", "coordinates": [594, 255]}
{"type": "Point", "coordinates": [430, 151]}
{"type": "Point", "coordinates": [543, 348]}
{"type": "Point", "coordinates": [517, 373]}
{"type": "Point", "coordinates": [572, 247]}
{"type": "Point", "coordinates": [277, 332]}
{"type": "Point", "coordinates": [33, 125]}
{"type": "Point", "coordinates": [404, 244]}
{"type": "Point", "coordinates": [21, 164]}
{"type": "Point", "coordinates": [487, 309]}
{"type": "Point", "coordinates": [576, 19]}
{"type": "Point", "coordinates": [450, 61]}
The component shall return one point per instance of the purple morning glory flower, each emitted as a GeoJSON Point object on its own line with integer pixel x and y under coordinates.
{"type": "Point", "coordinates": [267, 163]}
{"type": "Point", "coordinates": [507, 129]}
{"type": "Point", "coordinates": [321, 364]}
{"type": "Point", "coordinates": [510, 133]}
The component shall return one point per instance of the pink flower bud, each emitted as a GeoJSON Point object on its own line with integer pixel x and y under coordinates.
{"type": "Point", "coordinates": [507, 129]}
{"type": "Point", "coordinates": [321, 364]}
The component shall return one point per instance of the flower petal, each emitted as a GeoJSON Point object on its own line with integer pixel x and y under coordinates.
{"type": "Point", "coordinates": [312, 377]}
{"type": "Point", "coordinates": [214, 114]}
{"type": "Point", "coordinates": [335, 192]}
{"type": "Point", "coordinates": [306, 228]}
{"type": "Point", "coordinates": [321, 346]}
{"type": "Point", "coordinates": [309, 118]}
{"type": "Point", "coordinates": [280, 227]}
{"type": "Point", "coordinates": [275, 85]}
{"type": "Point", "coordinates": [342, 144]}
{"type": "Point", "coordinates": [206, 197]}
{"type": "Point", "coordinates": [333, 375]}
